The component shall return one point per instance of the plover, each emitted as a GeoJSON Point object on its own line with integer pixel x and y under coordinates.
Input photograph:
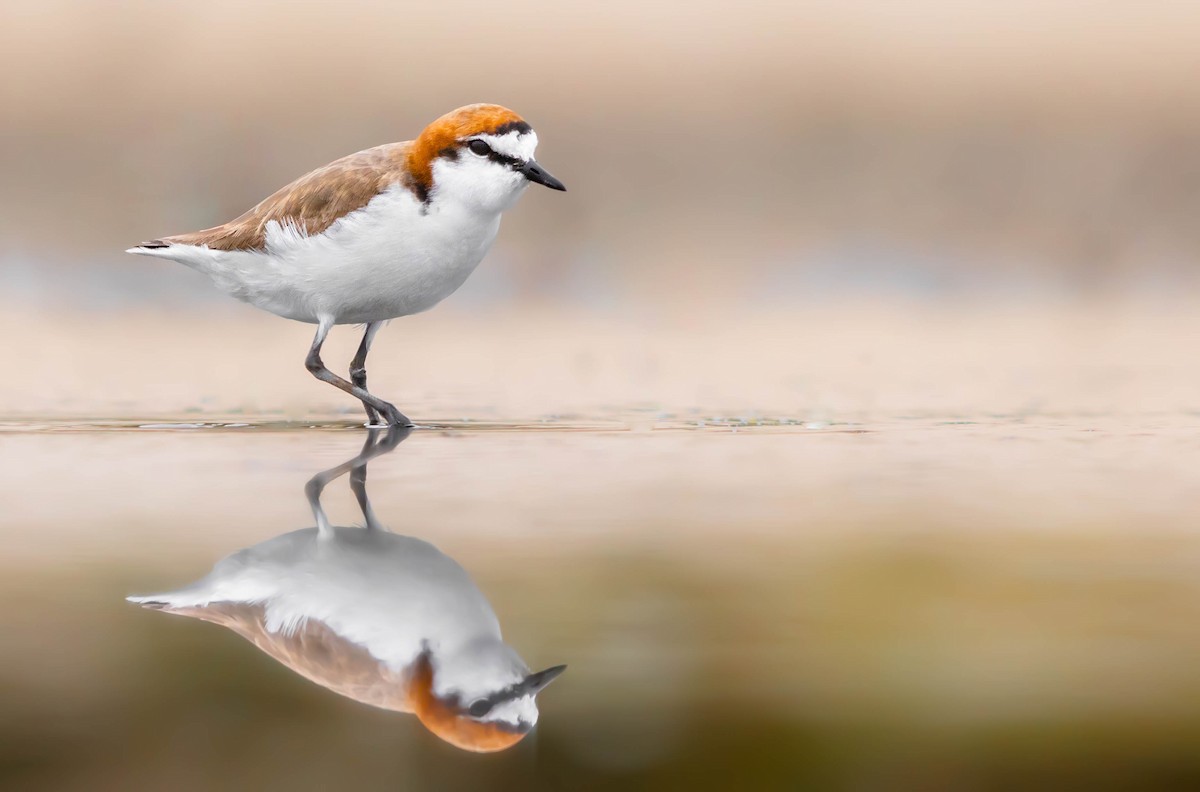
{"type": "Point", "coordinates": [383, 233]}
{"type": "Point", "coordinates": [385, 619]}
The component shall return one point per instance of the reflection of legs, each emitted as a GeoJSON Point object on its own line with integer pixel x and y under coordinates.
{"type": "Point", "coordinates": [313, 363]}
{"type": "Point", "coordinates": [358, 369]}
{"type": "Point", "coordinates": [357, 466]}
{"type": "Point", "coordinates": [358, 485]}
{"type": "Point", "coordinates": [358, 475]}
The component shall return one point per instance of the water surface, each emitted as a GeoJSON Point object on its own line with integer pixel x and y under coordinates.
{"type": "Point", "coordinates": [902, 601]}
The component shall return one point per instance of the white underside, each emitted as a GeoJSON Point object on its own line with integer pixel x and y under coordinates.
{"type": "Point", "coordinates": [394, 257]}
{"type": "Point", "coordinates": [395, 596]}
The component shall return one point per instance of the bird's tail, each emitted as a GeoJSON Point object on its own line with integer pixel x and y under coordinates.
{"type": "Point", "coordinates": [158, 248]}
{"type": "Point", "coordinates": [186, 597]}
{"type": "Point", "coordinates": [234, 578]}
{"type": "Point", "coordinates": [197, 257]}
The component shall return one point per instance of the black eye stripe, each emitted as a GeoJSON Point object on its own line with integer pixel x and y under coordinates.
{"type": "Point", "coordinates": [485, 704]}
{"type": "Point", "coordinates": [492, 154]}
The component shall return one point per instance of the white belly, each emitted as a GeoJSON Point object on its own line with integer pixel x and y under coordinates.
{"type": "Point", "coordinates": [391, 258]}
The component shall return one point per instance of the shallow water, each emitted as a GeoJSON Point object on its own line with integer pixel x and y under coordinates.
{"type": "Point", "coordinates": [901, 601]}
{"type": "Point", "coordinates": [850, 546]}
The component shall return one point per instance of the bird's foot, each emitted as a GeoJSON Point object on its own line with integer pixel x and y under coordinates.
{"type": "Point", "coordinates": [394, 417]}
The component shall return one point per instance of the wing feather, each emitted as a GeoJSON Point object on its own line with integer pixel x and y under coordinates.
{"type": "Point", "coordinates": [311, 203]}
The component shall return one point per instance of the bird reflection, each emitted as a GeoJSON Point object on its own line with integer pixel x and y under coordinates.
{"type": "Point", "coordinates": [384, 619]}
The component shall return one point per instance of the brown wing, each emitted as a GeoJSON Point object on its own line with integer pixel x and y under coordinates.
{"type": "Point", "coordinates": [315, 652]}
{"type": "Point", "coordinates": [313, 202]}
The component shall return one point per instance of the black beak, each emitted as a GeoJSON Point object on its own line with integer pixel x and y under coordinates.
{"type": "Point", "coordinates": [529, 686]}
{"type": "Point", "coordinates": [534, 683]}
{"type": "Point", "coordinates": [537, 174]}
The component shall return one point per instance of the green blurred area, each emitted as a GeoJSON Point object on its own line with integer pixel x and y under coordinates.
{"type": "Point", "coordinates": [681, 684]}
{"type": "Point", "coordinates": [715, 641]}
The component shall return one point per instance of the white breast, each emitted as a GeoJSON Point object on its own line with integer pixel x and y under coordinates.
{"type": "Point", "coordinates": [394, 257]}
{"type": "Point", "coordinates": [392, 595]}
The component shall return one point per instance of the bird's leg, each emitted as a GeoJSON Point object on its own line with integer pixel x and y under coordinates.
{"type": "Point", "coordinates": [358, 474]}
{"type": "Point", "coordinates": [358, 485]}
{"type": "Point", "coordinates": [313, 363]}
{"type": "Point", "coordinates": [357, 467]}
{"type": "Point", "coordinates": [358, 370]}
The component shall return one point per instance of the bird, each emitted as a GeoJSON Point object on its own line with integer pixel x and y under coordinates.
{"type": "Point", "coordinates": [385, 619]}
{"type": "Point", "coordinates": [383, 233]}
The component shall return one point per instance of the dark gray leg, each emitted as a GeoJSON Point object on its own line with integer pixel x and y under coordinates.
{"type": "Point", "coordinates": [358, 474]}
{"type": "Point", "coordinates": [358, 370]}
{"type": "Point", "coordinates": [358, 485]}
{"type": "Point", "coordinates": [373, 446]}
{"type": "Point", "coordinates": [313, 363]}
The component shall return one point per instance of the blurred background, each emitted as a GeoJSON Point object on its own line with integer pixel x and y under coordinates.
{"type": "Point", "coordinates": [1024, 172]}
{"type": "Point", "coordinates": [779, 151]}
{"type": "Point", "coordinates": [870, 322]}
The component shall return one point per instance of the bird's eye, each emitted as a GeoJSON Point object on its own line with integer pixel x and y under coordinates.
{"type": "Point", "coordinates": [480, 148]}
{"type": "Point", "coordinates": [480, 708]}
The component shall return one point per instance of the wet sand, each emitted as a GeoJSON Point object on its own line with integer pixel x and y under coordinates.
{"type": "Point", "coordinates": [828, 361]}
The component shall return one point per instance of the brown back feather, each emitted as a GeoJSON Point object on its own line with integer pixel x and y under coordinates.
{"type": "Point", "coordinates": [319, 654]}
{"type": "Point", "coordinates": [318, 199]}
{"type": "Point", "coordinates": [315, 652]}
{"type": "Point", "coordinates": [312, 203]}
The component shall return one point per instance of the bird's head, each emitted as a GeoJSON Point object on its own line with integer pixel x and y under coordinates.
{"type": "Point", "coordinates": [486, 708]}
{"type": "Point", "coordinates": [480, 156]}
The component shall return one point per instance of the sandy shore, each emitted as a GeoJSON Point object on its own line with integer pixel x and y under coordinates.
{"type": "Point", "coordinates": [858, 360]}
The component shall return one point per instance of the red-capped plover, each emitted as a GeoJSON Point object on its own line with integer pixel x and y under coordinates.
{"type": "Point", "coordinates": [385, 619]}
{"type": "Point", "coordinates": [383, 233]}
